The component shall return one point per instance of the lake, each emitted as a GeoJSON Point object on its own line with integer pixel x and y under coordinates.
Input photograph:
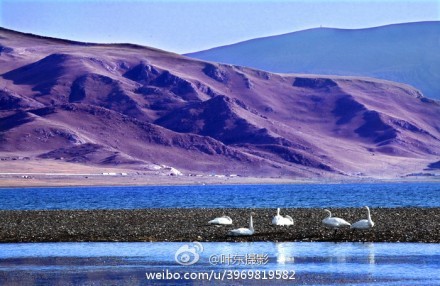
{"type": "Point", "coordinates": [306, 263]}
{"type": "Point", "coordinates": [302, 263]}
{"type": "Point", "coordinates": [225, 196]}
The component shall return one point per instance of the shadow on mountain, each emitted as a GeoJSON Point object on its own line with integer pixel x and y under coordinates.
{"type": "Point", "coordinates": [346, 109]}
{"type": "Point", "coordinates": [218, 119]}
{"type": "Point", "coordinates": [17, 119]}
{"type": "Point", "coordinates": [103, 91]}
{"type": "Point", "coordinates": [42, 74]}
{"type": "Point", "coordinates": [314, 83]}
{"type": "Point", "coordinates": [142, 73]}
{"type": "Point", "coordinates": [375, 129]}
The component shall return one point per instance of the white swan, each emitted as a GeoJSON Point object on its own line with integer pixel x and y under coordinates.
{"type": "Point", "coordinates": [244, 231]}
{"type": "Point", "coordinates": [223, 220]}
{"type": "Point", "coordinates": [280, 220]}
{"type": "Point", "coordinates": [334, 222]}
{"type": "Point", "coordinates": [364, 223]}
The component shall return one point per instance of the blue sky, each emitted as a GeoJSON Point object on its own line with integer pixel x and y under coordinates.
{"type": "Point", "coordinates": [187, 26]}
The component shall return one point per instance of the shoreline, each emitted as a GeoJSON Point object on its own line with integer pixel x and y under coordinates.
{"type": "Point", "coordinates": [29, 180]}
{"type": "Point", "coordinates": [43, 173]}
{"type": "Point", "coordinates": [178, 225]}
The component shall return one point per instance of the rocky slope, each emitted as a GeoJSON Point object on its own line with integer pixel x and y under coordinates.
{"type": "Point", "coordinates": [140, 107]}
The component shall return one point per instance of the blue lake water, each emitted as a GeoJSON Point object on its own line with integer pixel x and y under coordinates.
{"type": "Point", "coordinates": [231, 196]}
{"type": "Point", "coordinates": [308, 263]}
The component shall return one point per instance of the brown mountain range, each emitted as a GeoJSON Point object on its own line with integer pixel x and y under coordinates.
{"type": "Point", "coordinates": [139, 107]}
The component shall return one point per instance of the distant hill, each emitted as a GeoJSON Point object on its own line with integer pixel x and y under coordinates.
{"type": "Point", "coordinates": [407, 53]}
{"type": "Point", "coordinates": [144, 109]}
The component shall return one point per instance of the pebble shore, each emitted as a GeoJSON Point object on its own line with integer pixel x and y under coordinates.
{"type": "Point", "coordinates": [391, 225]}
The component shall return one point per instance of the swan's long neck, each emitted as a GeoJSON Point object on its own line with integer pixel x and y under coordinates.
{"type": "Point", "coordinates": [251, 224]}
{"type": "Point", "coordinates": [329, 213]}
{"type": "Point", "coordinates": [368, 214]}
{"type": "Point", "coordinates": [278, 211]}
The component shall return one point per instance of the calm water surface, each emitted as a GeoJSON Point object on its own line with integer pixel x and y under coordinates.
{"type": "Point", "coordinates": [237, 196]}
{"type": "Point", "coordinates": [309, 263]}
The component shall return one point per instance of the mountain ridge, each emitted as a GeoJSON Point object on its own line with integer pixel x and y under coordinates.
{"type": "Point", "coordinates": [398, 52]}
